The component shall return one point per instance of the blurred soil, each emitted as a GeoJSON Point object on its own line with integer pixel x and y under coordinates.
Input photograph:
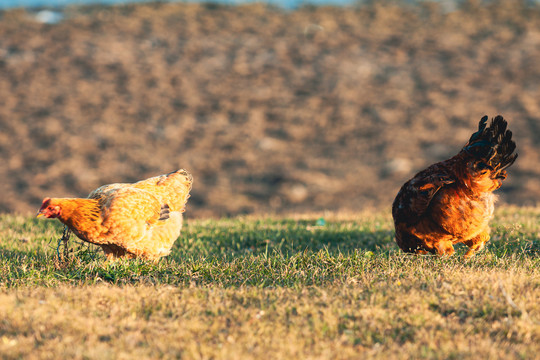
{"type": "Point", "coordinates": [272, 111]}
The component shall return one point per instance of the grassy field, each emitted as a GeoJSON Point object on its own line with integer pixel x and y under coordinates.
{"type": "Point", "coordinates": [321, 286]}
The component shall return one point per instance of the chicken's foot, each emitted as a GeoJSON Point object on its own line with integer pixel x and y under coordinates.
{"type": "Point", "coordinates": [476, 244]}
{"type": "Point", "coordinates": [63, 240]}
{"type": "Point", "coordinates": [444, 247]}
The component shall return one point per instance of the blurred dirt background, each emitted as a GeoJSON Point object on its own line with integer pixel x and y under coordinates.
{"type": "Point", "coordinates": [271, 110]}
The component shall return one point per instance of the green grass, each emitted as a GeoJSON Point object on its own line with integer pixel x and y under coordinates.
{"type": "Point", "coordinates": [273, 286]}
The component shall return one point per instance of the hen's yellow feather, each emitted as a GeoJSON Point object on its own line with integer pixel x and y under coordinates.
{"type": "Point", "coordinates": [128, 220]}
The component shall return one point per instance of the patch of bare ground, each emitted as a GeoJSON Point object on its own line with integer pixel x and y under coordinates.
{"type": "Point", "coordinates": [318, 108]}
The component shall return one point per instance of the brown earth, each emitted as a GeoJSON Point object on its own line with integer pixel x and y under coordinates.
{"type": "Point", "coordinates": [272, 111]}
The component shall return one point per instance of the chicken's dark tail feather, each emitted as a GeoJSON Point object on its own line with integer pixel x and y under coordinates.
{"type": "Point", "coordinates": [492, 145]}
{"type": "Point", "coordinates": [164, 212]}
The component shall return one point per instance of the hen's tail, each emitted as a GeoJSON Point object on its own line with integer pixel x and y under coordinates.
{"type": "Point", "coordinates": [492, 145]}
{"type": "Point", "coordinates": [172, 189]}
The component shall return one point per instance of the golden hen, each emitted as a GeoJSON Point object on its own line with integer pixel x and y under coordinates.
{"type": "Point", "coordinates": [452, 201]}
{"type": "Point", "coordinates": [127, 220]}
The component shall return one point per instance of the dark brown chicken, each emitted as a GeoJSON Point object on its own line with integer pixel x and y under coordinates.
{"type": "Point", "coordinates": [452, 201]}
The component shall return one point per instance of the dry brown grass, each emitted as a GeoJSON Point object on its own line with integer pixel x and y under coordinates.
{"type": "Point", "coordinates": [458, 314]}
{"type": "Point", "coordinates": [280, 288]}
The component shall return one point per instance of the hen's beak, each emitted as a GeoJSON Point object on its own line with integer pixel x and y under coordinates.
{"type": "Point", "coordinates": [39, 214]}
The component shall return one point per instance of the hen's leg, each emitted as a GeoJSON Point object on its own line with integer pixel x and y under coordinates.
{"type": "Point", "coordinates": [476, 243]}
{"type": "Point", "coordinates": [109, 253]}
{"type": "Point", "coordinates": [113, 252]}
{"type": "Point", "coordinates": [420, 241]}
{"type": "Point", "coordinates": [444, 247]}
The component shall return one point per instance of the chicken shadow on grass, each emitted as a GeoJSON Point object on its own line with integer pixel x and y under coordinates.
{"type": "Point", "coordinates": [285, 237]}
{"type": "Point", "coordinates": [290, 237]}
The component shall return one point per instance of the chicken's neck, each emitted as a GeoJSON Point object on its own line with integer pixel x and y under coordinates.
{"type": "Point", "coordinates": [78, 213]}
